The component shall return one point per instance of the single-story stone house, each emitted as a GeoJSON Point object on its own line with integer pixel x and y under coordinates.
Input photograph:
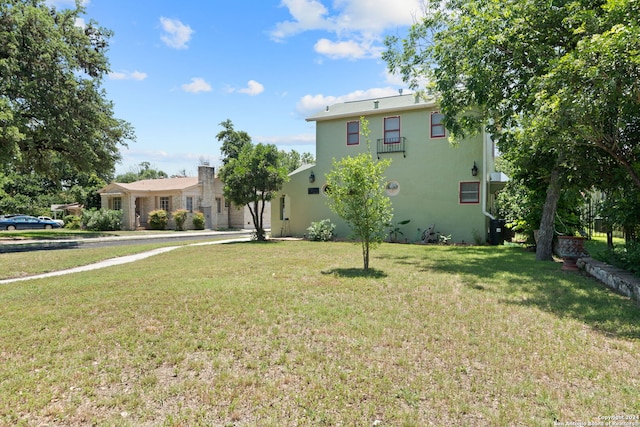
{"type": "Point", "coordinates": [203, 193]}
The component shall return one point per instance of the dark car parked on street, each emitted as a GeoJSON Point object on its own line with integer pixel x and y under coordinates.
{"type": "Point", "coordinates": [25, 222]}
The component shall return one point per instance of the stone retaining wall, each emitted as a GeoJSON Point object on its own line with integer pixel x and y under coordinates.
{"type": "Point", "coordinates": [619, 280]}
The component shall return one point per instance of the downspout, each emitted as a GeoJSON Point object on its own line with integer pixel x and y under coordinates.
{"type": "Point", "coordinates": [485, 185]}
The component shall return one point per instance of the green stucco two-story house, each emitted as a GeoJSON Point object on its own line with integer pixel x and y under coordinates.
{"type": "Point", "coordinates": [430, 181]}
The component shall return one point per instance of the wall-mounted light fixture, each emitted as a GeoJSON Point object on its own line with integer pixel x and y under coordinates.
{"type": "Point", "coordinates": [312, 177]}
{"type": "Point", "coordinates": [474, 170]}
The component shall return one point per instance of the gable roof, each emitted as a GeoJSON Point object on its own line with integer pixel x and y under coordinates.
{"type": "Point", "coordinates": [366, 107]}
{"type": "Point", "coordinates": [149, 185]}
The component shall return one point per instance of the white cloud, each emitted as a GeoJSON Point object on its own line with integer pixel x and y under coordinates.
{"type": "Point", "coordinates": [253, 88]}
{"type": "Point", "coordinates": [311, 104]}
{"type": "Point", "coordinates": [347, 49]}
{"type": "Point", "coordinates": [307, 15]}
{"type": "Point", "coordinates": [197, 85]}
{"type": "Point", "coordinates": [177, 34]}
{"type": "Point", "coordinates": [288, 140]}
{"type": "Point", "coordinates": [358, 25]}
{"type": "Point", "coordinates": [125, 75]}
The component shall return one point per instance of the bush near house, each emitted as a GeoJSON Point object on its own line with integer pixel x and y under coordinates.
{"type": "Point", "coordinates": [198, 220]}
{"type": "Point", "coordinates": [102, 220]}
{"type": "Point", "coordinates": [626, 257]}
{"type": "Point", "coordinates": [73, 222]}
{"type": "Point", "coordinates": [158, 219]}
{"type": "Point", "coordinates": [321, 230]}
{"type": "Point", "coordinates": [180, 216]}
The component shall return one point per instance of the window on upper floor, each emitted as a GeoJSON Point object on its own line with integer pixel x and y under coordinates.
{"type": "Point", "coordinates": [470, 192]}
{"type": "Point", "coordinates": [353, 132]}
{"type": "Point", "coordinates": [437, 125]}
{"type": "Point", "coordinates": [392, 130]}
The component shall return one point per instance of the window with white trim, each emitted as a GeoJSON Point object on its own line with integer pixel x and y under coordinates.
{"type": "Point", "coordinates": [353, 132]}
{"type": "Point", "coordinates": [470, 192]}
{"type": "Point", "coordinates": [116, 203]}
{"type": "Point", "coordinates": [437, 125]}
{"type": "Point", "coordinates": [392, 130]}
{"type": "Point", "coordinates": [164, 204]}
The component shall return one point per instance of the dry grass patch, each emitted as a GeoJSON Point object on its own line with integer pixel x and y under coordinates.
{"type": "Point", "coordinates": [292, 333]}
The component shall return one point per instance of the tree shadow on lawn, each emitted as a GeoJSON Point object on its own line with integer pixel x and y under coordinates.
{"type": "Point", "coordinates": [530, 283]}
{"type": "Point", "coordinates": [355, 272]}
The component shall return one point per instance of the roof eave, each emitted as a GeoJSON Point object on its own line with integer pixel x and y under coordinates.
{"type": "Point", "coordinates": [328, 115]}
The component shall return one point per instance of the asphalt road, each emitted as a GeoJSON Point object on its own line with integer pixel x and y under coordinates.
{"type": "Point", "coordinates": [36, 245]}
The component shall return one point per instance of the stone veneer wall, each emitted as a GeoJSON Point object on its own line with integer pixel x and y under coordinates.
{"type": "Point", "coordinates": [619, 280]}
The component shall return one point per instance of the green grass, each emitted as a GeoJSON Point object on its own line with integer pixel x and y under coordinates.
{"type": "Point", "coordinates": [60, 233]}
{"type": "Point", "coordinates": [21, 264]}
{"type": "Point", "coordinates": [293, 333]}
{"type": "Point", "coordinates": [64, 233]}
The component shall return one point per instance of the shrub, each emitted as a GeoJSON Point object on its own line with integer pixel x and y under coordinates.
{"type": "Point", "coordinates": [73, 222]}
{"type": "Point", "coordinates": [158, 219]}
{"type": "Point", "coordinates": [321, 231]}
{"type": "Point", "coordinates": [180, 216]}
{"type": "Point", "coordinates": [626, 257]}
{"type": "Point", "coordinates": [198, 220]}
{"type": "Point", "coordinates": [102, 220]}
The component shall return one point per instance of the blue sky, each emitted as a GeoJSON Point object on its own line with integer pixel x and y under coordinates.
{"type": "Point", "coordinates": [181, 68]}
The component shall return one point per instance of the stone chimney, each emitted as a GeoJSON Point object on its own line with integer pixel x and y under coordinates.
{"type": "Point", "coordinates": [206, 178]}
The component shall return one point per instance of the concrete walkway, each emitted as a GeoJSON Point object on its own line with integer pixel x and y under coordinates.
{"type": "Point", "coordinates": [118, 261]}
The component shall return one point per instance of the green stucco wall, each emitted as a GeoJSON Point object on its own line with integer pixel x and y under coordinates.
{"type": "Point", "coordinates": [429, 179]}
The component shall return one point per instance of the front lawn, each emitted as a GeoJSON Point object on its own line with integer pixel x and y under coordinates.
{"type": "Point", "coordinates": [292, 333]}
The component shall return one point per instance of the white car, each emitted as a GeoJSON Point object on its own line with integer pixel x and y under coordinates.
{"type": "Point", "coordinates": [48, 218]}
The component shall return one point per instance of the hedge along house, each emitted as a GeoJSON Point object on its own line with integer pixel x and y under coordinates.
{"type": "Point", "coordinates": [430, 181]}
{"type": "Point", "coordinates": [203, 193]}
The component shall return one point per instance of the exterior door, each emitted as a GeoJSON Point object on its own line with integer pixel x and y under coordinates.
{"type": "Point", "coordinates": [208, 220]}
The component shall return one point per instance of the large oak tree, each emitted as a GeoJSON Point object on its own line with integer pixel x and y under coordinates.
{"type": "Point", "coordinates": [52, 106]}
{"type": "Point", "coordinates": [549, 79]}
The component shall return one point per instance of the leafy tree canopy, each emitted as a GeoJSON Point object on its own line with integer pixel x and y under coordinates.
{"type": "Point", "coordinates": [550, 80]}
{"type": "Point", "coordinates": [52, 109]}
{"type": "Point", "coordinates": [292, 160]}
{"type": "Point", "coordinates": [356, 194]}
{"type": "Point", "coordinates": [232, 141]}
{"type": "Point", "coordinates": [252, 178]}
{"type": "Point", "coordinates": [143, 171]}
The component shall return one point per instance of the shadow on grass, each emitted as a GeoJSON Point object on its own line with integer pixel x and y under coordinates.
{"type": "Point", "coordinates": [356, 272]}
{"type": "Point", "coordinates": [517, 279]}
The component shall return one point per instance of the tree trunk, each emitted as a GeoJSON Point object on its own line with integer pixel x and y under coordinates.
{"type": "Point", "coordinates": [365, 254]}
{"type": "Point", "coordinates": [544, 248]}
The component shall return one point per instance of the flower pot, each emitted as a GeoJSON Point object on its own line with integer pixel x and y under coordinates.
{"type": "Point", "coordinates": [570, 248]}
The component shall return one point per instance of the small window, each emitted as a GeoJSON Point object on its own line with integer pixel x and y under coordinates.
{"type": "Point", "coordinates": [469, 192]}
{"type": "Point", "coordinates": [190, 203]}
{"type": "Point", "coordinates": [353, 133]}
{"type": "Point", "coordinates": [437, 125]}
{"type": "Point", "coordinates": [164, 204]}
{"type": "Point", "coordinates": [392, 130]}
{"type": "Point", "coordinates": [218, 205]}
{"type": "Point", "coordinates": [282, 208]}
{"type": "Point", "coordinates": [116, 203]}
